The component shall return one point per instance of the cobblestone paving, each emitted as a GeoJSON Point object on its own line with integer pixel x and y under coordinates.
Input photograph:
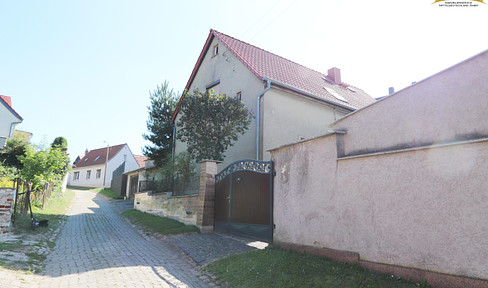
{"type": "Point", "coordinates": [97, 248]}
{"type": "Point", "coordinates": [206, 248]}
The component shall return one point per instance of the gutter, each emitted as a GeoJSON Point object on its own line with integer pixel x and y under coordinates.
{"type": "Point", "coordinates": [258, 120]}
{"type": "Point", "coordinates": [311, 95]}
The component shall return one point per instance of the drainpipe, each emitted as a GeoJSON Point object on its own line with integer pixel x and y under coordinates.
{"type": "Point", "coordinates": [258, 120]}
{"type": "Point", "coordinates": [12, 126]}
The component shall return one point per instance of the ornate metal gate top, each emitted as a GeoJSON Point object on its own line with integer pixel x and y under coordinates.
{"type": "Point", "coordinates": [264, 167]}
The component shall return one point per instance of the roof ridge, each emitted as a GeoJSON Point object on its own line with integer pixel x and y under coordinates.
{"type": "Point", "coordinates": [235, 52]}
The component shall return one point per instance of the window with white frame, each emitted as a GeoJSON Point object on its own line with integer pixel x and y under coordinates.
{"type": "Point", "coordinates": [76, 175]}
{"type": "Point", "coordinates": [88, 174]}
{"type": "Point", "coordinates": [99, 173]}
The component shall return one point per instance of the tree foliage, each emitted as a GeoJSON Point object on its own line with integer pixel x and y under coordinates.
{"type": "Point", "coordinates": [210, 123]}
{"type": "Point", "coordinates": [15, 147]}
{"type": "Point", "coordinates": [159, 125]}
{"type": "Point", "coordinates": [44, 165]}
{"type": "Point", "coordinates": [60, 142]}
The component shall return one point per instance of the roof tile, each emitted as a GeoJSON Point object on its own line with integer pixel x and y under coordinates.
{"type": "Point", "coordinates": [265, 64]}
{"type": "Point", "coordinates": [98, 156]}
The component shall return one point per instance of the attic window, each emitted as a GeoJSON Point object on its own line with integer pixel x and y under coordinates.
{"type": "Point", "coordinates": [97, 158]}
{"type": "Point", "coordinates": [86, 159]}
{"type": "Point", "coordinates": [351, 89]}
{"type": "Point", "coordinates": [216, 50]}
{"type": "Point", "coordinates": [336, 95]}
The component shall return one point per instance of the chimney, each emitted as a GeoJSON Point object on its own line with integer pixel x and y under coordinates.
{"type": "Point", "coordinates": [391, 90]}
{"type": "Point", "coordinates": [335, 75]}
{"type": "Point", "coordinates": [86, 151]}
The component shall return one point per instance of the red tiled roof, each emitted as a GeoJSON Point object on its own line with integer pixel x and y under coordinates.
{"type": "Point", "coordinates": [98, 156]}
{"type": "Point", "coordinates": [8, 103]}
{"type": "Point", "coordinates": [141, 160]}
{"type": "Point", "coordinates": [265, 64]}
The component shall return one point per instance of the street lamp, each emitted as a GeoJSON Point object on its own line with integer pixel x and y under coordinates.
{"type": "Point", "coordinates": [105, 173]}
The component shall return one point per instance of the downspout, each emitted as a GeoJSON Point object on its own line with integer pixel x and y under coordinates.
{"type": "Point", "coordinates": [11, 128]}
{"type": "Point", "coordinates": [258, 120]}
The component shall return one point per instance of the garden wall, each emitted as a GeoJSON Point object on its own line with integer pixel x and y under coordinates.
{"type": "Point", "coordinates": [181, 208]}
{"type": "Point", "coordinates": [399, 186]}
{"type": "Point", "coordinates": [195, 210]}
{"type": "Point", "coordinates": [6, 200]}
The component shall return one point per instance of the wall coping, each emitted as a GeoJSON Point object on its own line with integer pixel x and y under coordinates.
{"type": "Point", "coordinates": [413, 149]}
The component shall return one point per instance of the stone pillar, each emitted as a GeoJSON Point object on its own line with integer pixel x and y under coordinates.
{"type": "Point", "coordinates": [206, 196]}
{"type": "Point", "coordinates": [6, 200]}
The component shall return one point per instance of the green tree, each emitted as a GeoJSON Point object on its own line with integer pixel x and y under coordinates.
{"type": "Point", "coordinates": [210, 123]}
{"type": "Point", "coordinates": [44, 165]}
{"type": "Point", "coordinates": [15, 147]}
{"type": "Point", "coordinates": [159, 125]}
{"type": "Point", "coordinates": [60, 142]}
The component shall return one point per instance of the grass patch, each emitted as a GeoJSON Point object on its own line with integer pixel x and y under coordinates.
{"type": "Point", "coordinates": [274, 267]}
{"type": "Point", "coordinates": [81, 188]}
{"type": "Point", "coordinates": [107, 192]}
{"type": "Point", "coordinates": [158, 224]}
{"type": "Point", "coordinates": [40, 241]}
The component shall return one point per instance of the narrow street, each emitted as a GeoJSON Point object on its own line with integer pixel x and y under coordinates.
{"type": "Point", "coordinates": [98, 248]}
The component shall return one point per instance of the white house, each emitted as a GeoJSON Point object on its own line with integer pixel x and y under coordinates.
{"type": "Point", "coordinates": [290, 102]}
{"type": "Point", "coordinates": [91, 170]}
{"type": "Point", "coordinates": [8, 119]}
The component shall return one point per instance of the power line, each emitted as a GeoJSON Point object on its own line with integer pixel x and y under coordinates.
{"type": "Point", "coordinates": [271, 22]}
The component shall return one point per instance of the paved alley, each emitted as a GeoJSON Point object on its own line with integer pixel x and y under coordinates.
{"type": "Point", "coordinates": [98, 248]}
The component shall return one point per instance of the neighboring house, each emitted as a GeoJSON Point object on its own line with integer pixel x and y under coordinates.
{"type": "Point", "coordinates": [136, 179]}
{"type": "Point", "coordinates": [23, 135]}
{"type": "Point", "coordinates": [290, 102]}
{"type": "Point", "coordinates": [8, 119]}
{"type": "Point", "coordinates": [90, 170]}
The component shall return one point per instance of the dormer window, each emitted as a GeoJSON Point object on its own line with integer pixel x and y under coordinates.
{"type": "Point", "coordinates": [335, 94]}
{"type": "Point", "coordinates": [215, 50]}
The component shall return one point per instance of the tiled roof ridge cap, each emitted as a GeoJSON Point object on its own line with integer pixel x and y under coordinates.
{"type": "Point", "coordinates": [217, 33]}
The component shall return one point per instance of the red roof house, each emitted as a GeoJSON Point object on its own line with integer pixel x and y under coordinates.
{"type": "Point", "coordinates": [90, 170]}
{"type": "Point", "coordinates": [9, 118]}
{"type": "Point", "coordinates": [290, 101]}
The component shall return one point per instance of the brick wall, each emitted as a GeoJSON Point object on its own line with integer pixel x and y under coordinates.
{"type": "Point", "coordinates": [6, 200]}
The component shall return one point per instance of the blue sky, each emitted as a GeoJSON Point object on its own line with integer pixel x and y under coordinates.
{"type": "Point", "coordinates": [83, 69]}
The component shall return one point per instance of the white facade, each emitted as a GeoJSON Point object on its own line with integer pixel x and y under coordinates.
{"type": "Point", "coordinates": [8, 121]}
{"type": "Point", "coordinates": [78, 177]}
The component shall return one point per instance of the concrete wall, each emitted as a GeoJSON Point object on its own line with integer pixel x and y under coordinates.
{"type": "Point", "coordinates": [287, 116]}
{"type": "Point", "coordinates": [444, 107]}
{"type": "Point", "coordinates": [6, 200]}
{"type": "Point", "coordinates": [413, 194]}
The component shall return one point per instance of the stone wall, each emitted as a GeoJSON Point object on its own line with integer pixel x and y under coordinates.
{"type": "Point", "coordinates": [6, 200]}
{"type": "Point", "coordinates": [180, 208]}
{"type": "Point", "coordinates": [195, 209]}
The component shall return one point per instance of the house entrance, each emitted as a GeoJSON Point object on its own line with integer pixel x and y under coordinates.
{"type": "Point", "coordinates": [244, 199]}
{"type": "Point", "coordinates": [133, 186]}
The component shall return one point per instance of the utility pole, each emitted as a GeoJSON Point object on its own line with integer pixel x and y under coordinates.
{"type": "Point", "coordinates": [105, 173]}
